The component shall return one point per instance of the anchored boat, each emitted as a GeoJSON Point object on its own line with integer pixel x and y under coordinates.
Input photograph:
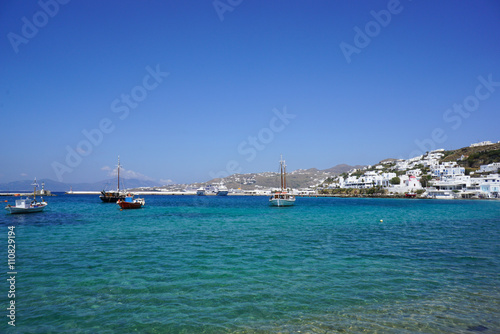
{"type": "Point", "coordinates": [222, 190]}
{"type": "Point", "coordinates": [27, 205]}
{"type": "Point", "coordinates": [282, 197]}
{"type": "Point", "coordinates": [113, 196]}
{"type": "Point", "coordinates": [129, 202]}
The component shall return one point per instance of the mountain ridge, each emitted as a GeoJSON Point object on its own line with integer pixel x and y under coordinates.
{"type": "Point", "coordinates": [297, 178]}
{"type": "Point", "coordinates": [470, 156]}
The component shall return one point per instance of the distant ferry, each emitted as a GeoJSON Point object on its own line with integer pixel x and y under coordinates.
{"type": "Point", "coordinates": [200, 191]}
{"type": "Point", "coordinates": [282, 197]}
{"type": "Point", "coordinates": [113, 196]}
{"type": "Point", "coordinates": [222, 190]}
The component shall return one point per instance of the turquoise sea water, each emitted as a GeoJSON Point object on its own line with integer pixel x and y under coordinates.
{"type": "Point", "coordinates": [187, 264]}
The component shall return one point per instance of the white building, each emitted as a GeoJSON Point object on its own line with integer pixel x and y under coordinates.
{"type": "Point", "coordinates": [463, 186]}
{"type": "Point", "coordinates": [447, 170]}
{"type": "Point", "coordinates": [483, 143]}
{"type": "Point", "coordinates": [489, 168]}
{"type": "Point", "coordinates": [414, 172]}
{"type": "Point", "coordinates": [384, 179]}
{"type": "Point", "coordinates": [415, 159]}
{"type": "Point", "coordinates": [489, 185]}
{"type": "Point", "coordinates": [440, 194]}
{"type": "Point", "coordinates": [407, 184]}
{"type": "Point", "coordinates": [402, 165]}
{"type": "Point", "coordinates": [413, 183]}
{"type": "Point", "coordinates": [367, 180]}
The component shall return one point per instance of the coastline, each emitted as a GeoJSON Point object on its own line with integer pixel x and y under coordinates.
{"type": "Point", "coordinates": [179, 193]}
{"type": "Point", "coordinates": [192, 193]}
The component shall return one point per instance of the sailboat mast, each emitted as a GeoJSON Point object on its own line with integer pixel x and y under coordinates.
{"type": "Point", "coordinates": [281, 172]}
{"type": "Point", "coordinates": [284, 175]}
{"type": "Point", "coordinates": [34, 189]}
{"type": "Point", "coordinates": [118, 173]}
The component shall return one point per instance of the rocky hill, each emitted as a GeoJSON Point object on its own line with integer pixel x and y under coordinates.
{"type": "Point", "coordinates": [301, 178]}
{"type": "Point", "coordinates": [343, 168]}
{"type": "Point", "coordinates": [474, 157]}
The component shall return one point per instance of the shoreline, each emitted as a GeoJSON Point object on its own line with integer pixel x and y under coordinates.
{"type": "Point", "coordinates": [178, 193]}
{"type": "Point", "coordinates": [192, 193]}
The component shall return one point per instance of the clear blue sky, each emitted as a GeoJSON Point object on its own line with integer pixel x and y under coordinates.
{"type": "Point", "coordinates": [231, 69]}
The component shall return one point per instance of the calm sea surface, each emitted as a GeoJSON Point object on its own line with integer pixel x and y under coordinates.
{"type": "Point", "coordinates": [187, 264]}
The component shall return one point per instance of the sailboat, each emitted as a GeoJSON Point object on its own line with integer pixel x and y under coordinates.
{"type": "Point", "coordinates": [28, 205]}
{"type": "Point", "coordinates": [282, 197]}
{"type": "Point", "coordinates": [113, 196]}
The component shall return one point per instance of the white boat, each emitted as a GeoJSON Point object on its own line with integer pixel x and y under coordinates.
{"type": "Point", "coordinates": [27, 205]}
{"type": "Point", "coordinates": [200, 191]}
{"type": "Point", "coordinates": [282, 197]}
{"type": "Point", "coordinates": [222, 190]}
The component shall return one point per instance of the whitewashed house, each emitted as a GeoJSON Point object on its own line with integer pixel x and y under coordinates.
{"type": "Point", "coordinates": [413, 183]}
{"type": "Point", "coordinates": [415, 172]}
{"type": "Point", "coordinates": [402, 165]}
{"type": "Point", "coordinates": [483, 143]}
{"type": "Point", "coordinates": [493, 167]}
{"type": "Point", "coordinates": [447, 170]}
{"type": "Point", "coordinates": [489, 185]}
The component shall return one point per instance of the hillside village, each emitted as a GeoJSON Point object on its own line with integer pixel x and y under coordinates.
{"type": "Point", "coordinates": [469, 172]}
{"type": "Point", "coordinates": [436, 174]}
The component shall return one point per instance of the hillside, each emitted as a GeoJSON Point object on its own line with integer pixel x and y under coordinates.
{"type": "Point", "coordinates": [343, 168]}
{"type": "Point", "coordinates": [474, 157]}
{"type": "Point", "coordinates": [301, 178]}
{"type": "Point", "coordinates": [469, 157]}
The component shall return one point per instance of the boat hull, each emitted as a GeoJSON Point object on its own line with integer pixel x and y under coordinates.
{"type": "Point", "coordinates": [37, 208]}
{"type": "Point", "coordinates": [136, 204]}
{"type": "Point", "coordinates": [125, 205]}
{"type": "Point", "coordinates": [282, 201]}
{"type": "Point", "coordinates": [222, 193]}
{"type": "Point", "coordinates": [111, 197]}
